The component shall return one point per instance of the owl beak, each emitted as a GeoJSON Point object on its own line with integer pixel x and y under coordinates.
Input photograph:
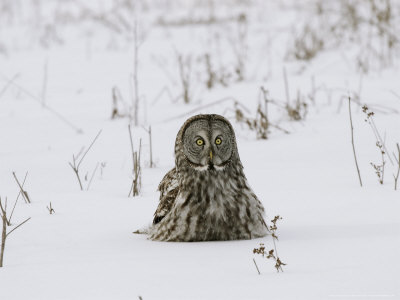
{"type": "Point", "coordinates": [211, 155]}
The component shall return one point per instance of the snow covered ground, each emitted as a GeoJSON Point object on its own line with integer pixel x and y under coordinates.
{"type": "Point", "coordinates": [339, 241]}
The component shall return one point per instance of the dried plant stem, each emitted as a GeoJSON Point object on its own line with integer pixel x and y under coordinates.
{"type": "Point", "coordinates": [185, 69]}
{"type": "Point", "coordinates": [23, 193]}
{"type": "Point", "coordinates": [8, 84]}
{"type": "Point", "coordinates": [164, 90]}
{"type": "Point", "coordinates": [89, 148]}
{"type": "Point", "coordinates": [151, 146]}
{"type": "Point", "coordinates": [131, 141]}
{"type": "Point", "coordinates": [379, 138]}
{"type": "Point", "coordinates": [135, 104]}
{"type": "Point", "coordinates": [19, 225]}
{"type": "Point", "coordinates": [16, 200]}
{"type": "Point", "coordinates": [286, 86]}
{"type": "Point", "coordinates": [91, 178]}
{"type": "Point", "coordinates": [4, 233]}
{"type": "Point", "coordinates": [75, 167]}
{"type": "Point", "coordinates": [352, 142]}
{"type": "Point", "coordinates": [117, 98]}
{"type": "Point", "coordinates": [265, 97]}
{"type": "Point", "coordinates": [383, 165]}
{"type": "Point", "coordinates": [50, 209]}
{"type": "Point", "coordinates": [45, 106]}
{"type": "Point", "coordinates": [396, 178]}
{"type": "Point", "coordinates": [273, 240]}
{"type": "Point", "coordinates": [136, 169]}
{"type": "Point", "coordinates": [256, 266]}
{"type": "Point", "coordinates": [270, 254]}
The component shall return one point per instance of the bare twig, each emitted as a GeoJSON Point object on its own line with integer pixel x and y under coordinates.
{"type": "Point", "coordinates": [136, 169]}
{"type": "Point", "coordinates": [5, 234]}
{"type": "Point", "coordinates": [135, 104]}
{"type": "Point", "coordinates": [91, 178]}
{"type": "Point", "coordinates": [89, 148]}
{"type": "Point", "coordinates": [131, 141]}
{"type": "Point", "coordinates": [279, 128]}
{"type": "Point", "coordinates": [16, 200]}
{"type": "Point", "coordinates": [76, 170]}
{"type": "Point", "coordinates": [393, 92]}
{"type": "Point", "coordinates": [19, 225]}
{"type": "Point", "coordinates": [379, 138]}
{"type": "Point", "coordinates": [370, 119]}
{"type": "Point", "coordinates": [117, 98]}
{"type": "Point", "coordinates": [256, 266]}
{"type": "Point", "coordinates": [352, 142]}
{"type": "Point", "coordinates": [161, 63]}
{"type": "Point", "coordinates": [50, 209]}
{"type": "Point", "coordinates": [151, 146]}
{"type": "Point", "coordinates": [75, 166]}
{"type": "Point", "coordinates": [273, 253]}
{"type": "Point", "coordinates": [396, 178]}
{"type": "Point", "coordinates": [286, 86]}
{"type": "Point", "coordinates": [39, 100]}
{"type": "Point", "coordinates": [8, 84]}
{"type": "Point", "coordinates": [23, 192]}
{"type": "Point", "coordinates": [165, 90]}
{"type": "Point", "coordinates": [185, 73]}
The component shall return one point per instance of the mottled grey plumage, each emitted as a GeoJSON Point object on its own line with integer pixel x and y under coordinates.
{"type": "Point", "coordinates": [206, 196]}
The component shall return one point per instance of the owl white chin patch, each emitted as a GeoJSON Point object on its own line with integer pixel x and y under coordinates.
{"type": "Point", "coordinates": [205, 168]}
{"type": "Point", "coordinates": [219, 168]}
{"type": "Point", "coordinates": [201, 168]}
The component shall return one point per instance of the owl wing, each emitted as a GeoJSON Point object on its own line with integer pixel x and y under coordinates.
{"type": "Point", "coordinates": [168, 188]}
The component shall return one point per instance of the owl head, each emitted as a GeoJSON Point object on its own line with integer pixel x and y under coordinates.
{"type": "Point", "coordinates": [206, 142]}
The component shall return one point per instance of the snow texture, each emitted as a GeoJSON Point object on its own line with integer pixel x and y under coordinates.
{"type": "Point", "coordinates": [340, 241]}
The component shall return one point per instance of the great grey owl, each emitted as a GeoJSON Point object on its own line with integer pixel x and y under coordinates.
{"type": "Point", "coordinates": [206, 196]}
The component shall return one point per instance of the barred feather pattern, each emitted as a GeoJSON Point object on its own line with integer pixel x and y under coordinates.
{"type": "Point", "coordinates": [207, 205]}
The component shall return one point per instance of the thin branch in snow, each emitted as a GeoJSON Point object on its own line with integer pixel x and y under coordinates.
{"type": "Point", "coordinates": [5, 234]}
{"type": "Point", "coordinates": [256, 266]}
{"type": "Point", "coordinates": [136, 168]}
{"type": "Point", "coordinates": [22, 191]}
{"type": "Point", "coordinates": [16, 200]}
{"type": "Point", "coordinates": [89, 148]}
{"type": "Point", "coordinates": [75, 168]}
{"type": "Point", "coordinates": [8, 84]}
{"type": "Point", "coordinates": [185, 73]}
{"type": "Point", "coordinates": [50, 209]}
{"type": "Point", "coordinates": [16, 227]}
{"type": "Point", "coordinates": [39, 100]}
{"type": "Point", "coordinates": [151, 146]}
{"type": "Point", "coordinates": [273, 253]}
{"type": "Point", "coordinates": [396, 177]}
{"type": "Point", "coordinates": [91, 177]}
{"type": "Point", "coordinates": [285, 80]}
{"type": "Point", "coordinates": [370, 119]}
{"type": "Point", "coordinates": [352, 143]}
{"type": "Point", "coordinates": [76, 164]}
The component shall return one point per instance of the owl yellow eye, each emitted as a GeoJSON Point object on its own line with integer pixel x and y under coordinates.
{"type": "Point", "coordinates": [200, 142]}
{"type": "Point", "coordinates": [218, 141]}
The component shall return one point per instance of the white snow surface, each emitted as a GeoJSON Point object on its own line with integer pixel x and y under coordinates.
{"type": "Point", "coordinates": [339, 241]}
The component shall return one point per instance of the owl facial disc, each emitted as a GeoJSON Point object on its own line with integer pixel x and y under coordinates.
{"type": "Point", "coordinates": [207, 143]}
